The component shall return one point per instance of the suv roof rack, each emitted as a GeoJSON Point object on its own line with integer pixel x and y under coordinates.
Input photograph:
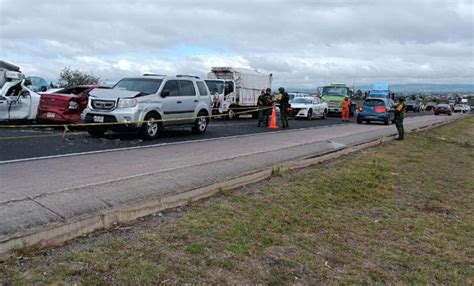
{"type": "Point", "coordinates": [153, 74]}
{"type": "Point", "coordinates": [185, 75]}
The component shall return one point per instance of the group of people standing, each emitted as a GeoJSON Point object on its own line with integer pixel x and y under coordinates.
{"type": "Point", "coordinates": [265, 106]}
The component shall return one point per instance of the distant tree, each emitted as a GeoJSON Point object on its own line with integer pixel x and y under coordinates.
{"type": "Point", "coordinates": [69, 77]}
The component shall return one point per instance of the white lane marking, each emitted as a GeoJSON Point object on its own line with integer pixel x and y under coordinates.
{"type": "Point", "coordinates": [164, 144]}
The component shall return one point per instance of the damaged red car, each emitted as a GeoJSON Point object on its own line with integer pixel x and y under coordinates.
{"type": "Point", "coordinates": [65, 105]}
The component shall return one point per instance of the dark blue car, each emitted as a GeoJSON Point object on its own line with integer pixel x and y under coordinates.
{"type": "Point", "coordinates": [377, 109]}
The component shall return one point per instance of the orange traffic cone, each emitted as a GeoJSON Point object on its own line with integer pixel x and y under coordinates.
{"type": "Point", "coordinates": [273, 120]}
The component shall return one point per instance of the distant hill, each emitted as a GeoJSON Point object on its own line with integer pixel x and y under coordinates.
{"type": "Point", "coordinates": [422, 87]}
{"type": "Point", "coordinates": [413, 88]}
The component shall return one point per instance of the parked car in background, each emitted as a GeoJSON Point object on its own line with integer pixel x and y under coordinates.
{"type": "Point", "coordinates": [308, 107]}
{"type": "Point", "coordinates": [452, 103]}
{"type": "Point", "coordinates": [149, 104]}
{"type": "Point", "coordinates": [38, 84]}
{"type": "Point", "coordinates": [430, 106]}
{"type": "Point", "coordinates": [294, 95]}
{"type": "Point", "coordinates": [413, 105]}
{"type": "Point", "coordinates": [459, 108]}
{"type": "Point", "coordinates": [17, 100]}
{"type": "Point", "coordinates": [65, 105]}
{"type": "Point", "coordinates": [443, 108]}
{"type": "Point", "coordinates": [468, 108]}
{"type": "Point", "coordinates": [377, 109]}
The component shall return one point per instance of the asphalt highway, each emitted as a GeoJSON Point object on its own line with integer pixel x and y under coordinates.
{"type": "Point", "coordinates": [27, 143]}
{"type": "Point", "coordinates": [49, 201]}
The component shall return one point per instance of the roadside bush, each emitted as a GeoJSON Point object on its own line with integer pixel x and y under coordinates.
{"type": "Point", "coordinates": [69, 77]}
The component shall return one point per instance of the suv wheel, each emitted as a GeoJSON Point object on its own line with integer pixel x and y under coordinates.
{"type": "Point", "coordinates": [200, 124]}
{"type": "Point", "coordinates": [151, 128]}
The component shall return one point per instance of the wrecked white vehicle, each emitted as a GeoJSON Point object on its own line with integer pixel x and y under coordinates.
{"type": "Point", "coordinates": [17, 101]}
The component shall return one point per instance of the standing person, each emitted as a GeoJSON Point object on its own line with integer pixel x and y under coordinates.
{"type": "Point", "coordinates": [399, 115]}
{"type": "Point", "coordinates": [261, 108]}
{"type": "Point", "coordinates": [267, 105]}
{"type": "Point", "coordinates": [284, 100]}
{"type": "Point", "coordinates": [345, 104]}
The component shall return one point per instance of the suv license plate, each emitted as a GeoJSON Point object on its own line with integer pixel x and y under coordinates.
{"type": "Point", "coordinates": [98, 118]}
{"type": "Point", "coordinates": [50, 115]}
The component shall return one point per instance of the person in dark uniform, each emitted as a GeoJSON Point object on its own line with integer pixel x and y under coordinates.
{"type": "Point", "coordinates": [267, 105]}
{"type": "Point", "coordinates": [284, 100]}
{"type": "Point", "coordinates": [400, 110]}
{"type": "Point", "coordinates": [261, 108]}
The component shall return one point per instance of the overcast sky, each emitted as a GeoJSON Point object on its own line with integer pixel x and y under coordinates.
{"type": "Point", "coordinates": [303, 43]}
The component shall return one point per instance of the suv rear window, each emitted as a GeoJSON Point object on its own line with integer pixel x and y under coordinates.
{"type": "Point", "coordinates": [202, 88]}
{"type": "Point", "coordinates": [374, 102]}
{"type": "Point", "coordinates": [186, 88]}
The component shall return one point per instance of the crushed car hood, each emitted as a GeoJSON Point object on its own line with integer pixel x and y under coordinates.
{"type": "Point", "coordinates": [113, 93]}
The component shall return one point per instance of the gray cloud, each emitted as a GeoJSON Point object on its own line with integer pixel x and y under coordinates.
{"type": "Point", "coordinates": [303, 43]}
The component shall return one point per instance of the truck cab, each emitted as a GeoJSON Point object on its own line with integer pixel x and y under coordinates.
{"type": "Point", "coordinates": [381, 90]}
{"type": "Point", "coordinates": [222, 94]}
{"type": "Point", "coordinates": [17, 101]}
{"type": "Point", "coordinates": [333, 94]}
{"type": "Point", "coordinates": [236, 90]}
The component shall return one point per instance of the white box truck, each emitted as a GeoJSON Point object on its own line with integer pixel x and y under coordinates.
{"type": "Point", "coordinates": [235, 91]}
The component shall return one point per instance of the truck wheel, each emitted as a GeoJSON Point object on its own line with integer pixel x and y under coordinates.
{"type": "Point", "coordinates": [150, 128]}
{"type": "Point", "coordinates": [255, 115]}
{"type": "Point", "coordinates": [96, 132]}
{"type": "Point", "coordinates": [231, 115]}
{"type": "Point", "coordinates": [200, 124]}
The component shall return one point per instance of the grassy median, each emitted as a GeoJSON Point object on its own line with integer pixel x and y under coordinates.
{"type": "Point", "coordinates": [401, 212]}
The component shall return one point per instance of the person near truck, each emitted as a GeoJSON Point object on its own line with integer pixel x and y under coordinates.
{"type": "Point", "coordinates": [261, 108]}
{"type": "Point", "coordinates": [267, 105]}
{"type": "Point", "coordinates": [215, 98]}
{"type": "Point", "coordinates": [284, 101]}
{"type": "Point", "coordinates": [345, 105]}
{"type": "Point", "coordinates": [400, 110]}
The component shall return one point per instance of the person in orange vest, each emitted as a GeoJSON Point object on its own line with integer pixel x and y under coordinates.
{"type": "Point", "coordinates": [345, 104]}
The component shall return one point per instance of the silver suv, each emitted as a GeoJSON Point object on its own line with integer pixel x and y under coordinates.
{"type": "Point", "coordinates": [149, 104]}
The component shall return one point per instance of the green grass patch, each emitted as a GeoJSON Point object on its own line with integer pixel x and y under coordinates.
{"type": "Point", "coordinates": [399, 213]}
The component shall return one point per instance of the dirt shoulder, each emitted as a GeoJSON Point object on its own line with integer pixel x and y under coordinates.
{"type": "Point", "coordinates": [401, 212]}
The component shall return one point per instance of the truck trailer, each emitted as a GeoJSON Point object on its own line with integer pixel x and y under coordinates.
{"type": "Point", "coordinates": [235, 91]}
